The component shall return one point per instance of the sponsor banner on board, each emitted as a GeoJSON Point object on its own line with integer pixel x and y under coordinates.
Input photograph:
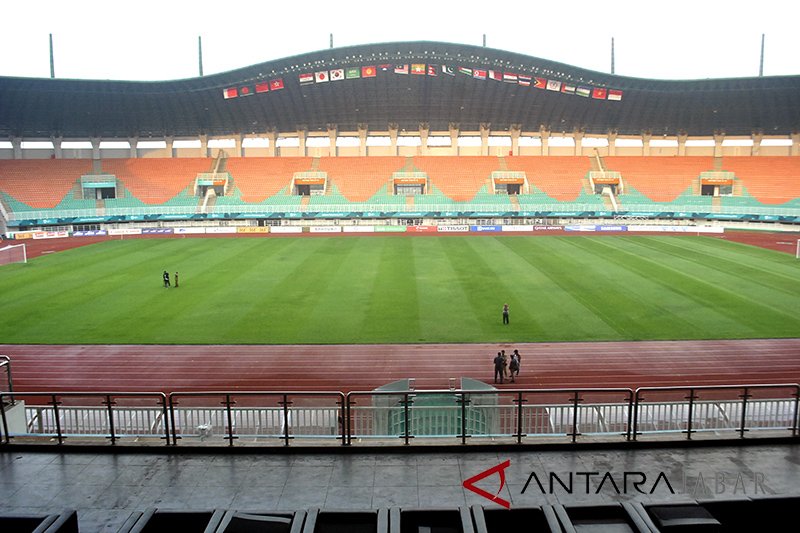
{"type": "Point", "coordinates": [157, 231]}
{"type": "Point", "coordinates": [548, 228]}
{"type": "Point", "coordinates": [462, 228]}
{"type": "Point", "coordinates": [421, 229]}
{"type": "Point", "coordinates": [221, 229]}
{"type": "Point", "coordinates": [485, 229]}
{"type": "Point", "coordinates": [517, 228]}
{"type": "Point", "coordinates": [286, 229]}
{"type": "Point", "coordinates": [252, 229]}
{"type": "Point", "coordinates": [612, 228]}
{"type": "Point", "coordinates": [90, 233]}
{"type": "Point", "coordinates": [190, 231]}
{"type": "Point", "coordinates": [325, 229]}
{"type": "Point", "coordinates": [125, 231]}
{"type": "Point", "coordinates": [50, 234]}
{"type": "Point", "coordinates": [580, 228]}
{"type": "Point", "coordinates": [677, 229]}
{"type": "Point", "coordinates": [390, 229]}
{"type": "Point", "coordinates": [358, 229]}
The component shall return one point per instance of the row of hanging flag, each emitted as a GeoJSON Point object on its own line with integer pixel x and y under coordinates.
{"type": "Point", "coordinates": [424, 69]}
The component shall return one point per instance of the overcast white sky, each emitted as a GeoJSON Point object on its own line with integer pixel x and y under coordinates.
{"type": "Point", "coordinates": [157, 40]}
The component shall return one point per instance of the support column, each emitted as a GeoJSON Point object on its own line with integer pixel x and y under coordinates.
{"type": "Point", "coordinates": [612, 143]}
{"type": "Point", "coordinates": [515, 131]}
{"type": "Point", "coordinates": [485, 130]}
{"type": "Point", "coordinates": [301, 138]}
{"type": "Point", "coordinates": [204, 146]}
{"type": "Point", "coordinates": [756, 148]}
{"type": "Point", "coordinates": [454, 130]}
{"type": "Point", "coordinates": [646, 143]}
{"type": "Point", "coordinates": [795, 150]}
{"type": "Point", "coordinates": [393, 131]}
{"type": "Point", "coordinates": [424, 131]}
{"type": "Point", "coordinates": [718, 138]}
{"type": "Point", "coordinates": [170, 146]}
{"type": "Point", "coordinates": [58, 153]}
{"type": "Point", "coordinates": [544, 135]}
{"type": "Point", "coordinates": [238, 149]}
{"type": "Point", "coordinates": [272, 137]}
{"type": "Point", "coordinates": [333, 132]}
{"type": "Point", "coordinates": [95, 148]}
{"type": "Point", "coordinates": [362, 139]}
{"type": "Point", "coordinates": [16, 145]}
{"type": "Point", "coordinates": [577, 137]}
{"type": "Point", "coordinates": [682, 137]}
{"type": "Point", "coordinates": [134, 142]}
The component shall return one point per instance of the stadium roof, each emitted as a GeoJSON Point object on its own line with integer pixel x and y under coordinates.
{"type": "Point", "coordinates": [472, 86]}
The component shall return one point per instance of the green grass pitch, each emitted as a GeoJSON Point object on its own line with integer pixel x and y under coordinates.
{"type": "Point", "coordinates": [401, 289]}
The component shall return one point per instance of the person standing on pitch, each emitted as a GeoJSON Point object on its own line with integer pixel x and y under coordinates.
{"type": "Point", "coordinates": [166, 279]}
{"type": "Point", "coordinates": [505, 313]}
{"type": "Point", "coordinates": [498, 367]}
{"type": "Point", "coordinates": [513, 366]}
{"type": "Point", "coordinates": [176, 279]}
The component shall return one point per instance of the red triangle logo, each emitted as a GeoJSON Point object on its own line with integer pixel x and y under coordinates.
{"type": "Point", "coordinates": [499, 469]}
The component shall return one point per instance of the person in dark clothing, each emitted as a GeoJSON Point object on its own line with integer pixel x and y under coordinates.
{"type": "Point", "coordinates": [499, 365]}
{"type": "Point", "coordinates": [513, 367]}
{"type": "Point", "coordinates": [176, 279]}
{"type": "Point", "coordinates": [516, 356]}
{"type": "Point", "coordinates": [505, 313]}
{"type": "Point", "coordinates": [166, 279]}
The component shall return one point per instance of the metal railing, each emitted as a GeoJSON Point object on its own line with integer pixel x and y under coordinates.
{"type": "Point", "coordinates": [402, 417]}
{"type": "Point", "coordinates": [87, 416]}
{"type": "Point", "coordinates": [5, 365]}
{"type": "Point", "coordinates": [499, 207]}
{"type": "Point", "coordinates": [256, 417]}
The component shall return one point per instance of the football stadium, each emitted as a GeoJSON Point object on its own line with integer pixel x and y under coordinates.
{"type": "Point", "coordinates": [286, 297]}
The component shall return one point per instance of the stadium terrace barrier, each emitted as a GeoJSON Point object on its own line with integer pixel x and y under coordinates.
{"type": "Point", "coordinates": [706, 409]}
{"type": "Point", "coordinates": [368, 210]}
{"type": "Point", "coordinates": [257, 416]}
{"type": "Point", "coordinates": [501, 416]}
{"type": "Point", "coordinates": [5, 364]}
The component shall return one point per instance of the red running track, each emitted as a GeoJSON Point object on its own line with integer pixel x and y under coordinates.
{"type": "Point", "coordinates": [146, 368]}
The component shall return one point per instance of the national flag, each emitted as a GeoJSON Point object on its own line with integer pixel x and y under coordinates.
{"type": "Point", "coordinates": [539, 83]}
{"type": "Point", "coordinates": [553, 85]}
{"type": "Point", "coordinates": [246, 90]}
{"type": "Point", "coordinates": [509, 77]}
{"type": "Point", "coordinates": [385, 67]}
{"type": "Point", "coordinates": [524, 80]}
{"type": "Point", "coordinates": [337, 74]}
{"type": "Point", "coordinates": [369, 72]}
{"type": "Point", "coordinates": [599, 93]}
{"type": "Point", "coordinates": [567, 88]}
{"type": "Point", "coordinates": [230, 92]}
{"type": "Point", "coordinates": [433, 70]}
{"type": "Point", "coordinates": [466, 71]}
{"type": "Point", "coordinates": [586, 92]}
{"type": "Point", "coordinates": [418, 68]}
{"type": "Point", "coordinates": [494, 75]}
{"type": "Point", "coordinates": [306, 78]}
{"type": "Point", "coordinates": [614, 94]}
{"type": "Point", "coordinates": [276, 84]}
{"type": "Point", "coordinates": [352, 73]}
{"type": "Point", "coordinates": [479, 74]}
{"type": "Point", "coordinates": [262, 87]}
{"type": "Point", "coordinates": [401, 69]}
{"type": "Point", "coordinates": [322, 76]}
{"type": "Point", "coordinates": [450, 71]}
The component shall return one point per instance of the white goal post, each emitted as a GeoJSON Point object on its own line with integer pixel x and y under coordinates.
{"type": "Point", "coordinates": [13, 253]}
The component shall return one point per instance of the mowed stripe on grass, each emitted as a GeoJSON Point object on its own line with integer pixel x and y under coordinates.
{"type": "Point", "coordinates": [335, 290]}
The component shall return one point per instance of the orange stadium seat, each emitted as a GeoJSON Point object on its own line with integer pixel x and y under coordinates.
{"type": "Point", "coordinates": [769, 179]}
{"type": "Point", "coordinates": [359, 178]}
{"type": "Point", "coordinates": [41, 183]}
{"type": "Point", "coordinates": [155, 181]}
{"type": "Point", "coordinates": [661, 179]}
{"type": "Point", "coordinates": [459, 178]}
{"type": "Point", "coordinates": [259, 178]}
{"type": "Point", "coordinates": [560, 177]}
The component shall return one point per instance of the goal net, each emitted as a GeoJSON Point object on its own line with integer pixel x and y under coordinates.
{"type": "Point", "coordinates": [14, 253]}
